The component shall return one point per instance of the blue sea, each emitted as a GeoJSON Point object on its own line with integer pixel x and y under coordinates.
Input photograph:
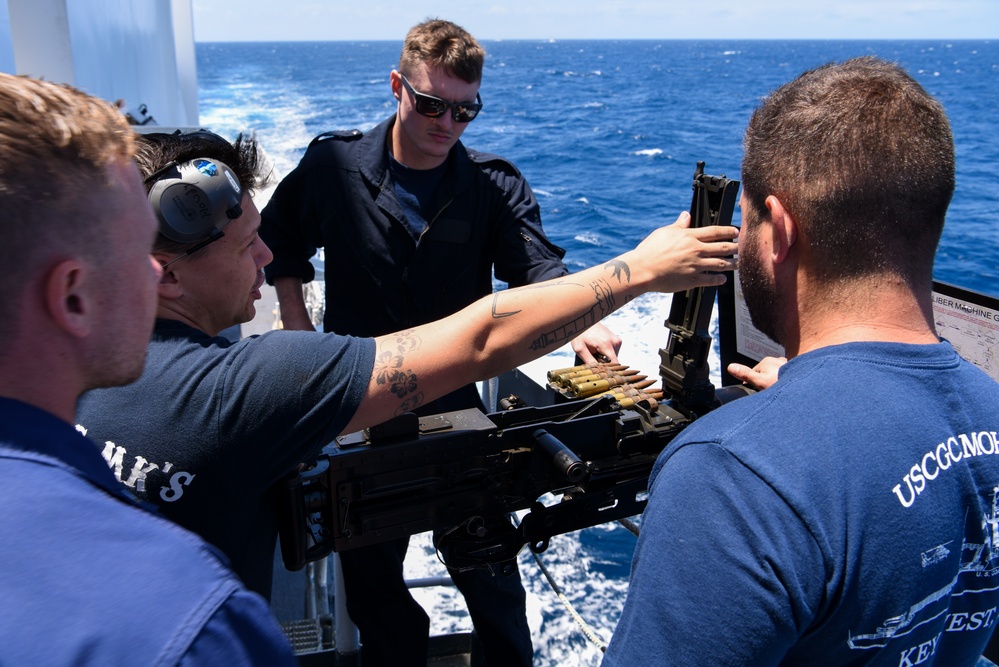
{"type": "Point", "coordinates": [608, 133]}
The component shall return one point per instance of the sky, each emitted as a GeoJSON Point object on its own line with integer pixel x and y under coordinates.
{"type": "Point", "coordinates": [318, 20]}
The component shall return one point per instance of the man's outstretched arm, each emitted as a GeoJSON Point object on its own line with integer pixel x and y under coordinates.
{"type": "Point", "coordinates": [509, 328]}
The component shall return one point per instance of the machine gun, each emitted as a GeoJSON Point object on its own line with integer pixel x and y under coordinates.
{"type": "Point", "coordinates": [456, 472]}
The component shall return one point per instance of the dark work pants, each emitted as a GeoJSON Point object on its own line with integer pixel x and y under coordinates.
{"type": "Point", "coordinates": [394, 628]}
{"type": "Point", "coordinates": [497, 604]}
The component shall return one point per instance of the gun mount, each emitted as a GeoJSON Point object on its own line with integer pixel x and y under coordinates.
{"type": "Point", "coordinates": [456, 472]}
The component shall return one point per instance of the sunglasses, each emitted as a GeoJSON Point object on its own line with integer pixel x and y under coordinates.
{"type": "Point", "coordinates": [435, 107]}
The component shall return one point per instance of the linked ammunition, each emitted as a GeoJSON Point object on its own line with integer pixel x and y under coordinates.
{"type": "Point", "coordinates": [560, 375]}
{"type": "Point", "coordinates": [631, 401]}
{"type": "Point", "coordinates": [632, 386]}
{"type": "Point", "coordinates": [593, 374]}
{"type": "Point", "coordinates": [604, 383]}
{"type": "Point", "coordinates": [592, 377]}
{"type": "Point", "coordinates": [611, 368]}
{"type": "Point", "coordinates": [636, 397]}
{"type": "Point", "coordinates": [626, 392]}
{"type": "Point", "coordinates": [585, 389]}
{"type": "Point", "coordinates": [556, 371]}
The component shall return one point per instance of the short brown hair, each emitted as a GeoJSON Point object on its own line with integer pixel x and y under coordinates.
{"type": "Point", "coordinates": [863, 159]}
{"type": "Point", "coordinates": [56, 144]}
{"type": "Point", "coordinates": [443, 44]}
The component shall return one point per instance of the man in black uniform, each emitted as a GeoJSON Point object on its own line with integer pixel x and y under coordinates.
{"type": "Point", "coordinates": [416, 224]}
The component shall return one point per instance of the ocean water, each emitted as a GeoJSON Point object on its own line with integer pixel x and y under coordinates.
{"type": "Point", "coordinates": [608, 134]}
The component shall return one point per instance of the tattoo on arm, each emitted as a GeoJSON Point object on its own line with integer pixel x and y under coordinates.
{"type": "Point", "coordinates": [605, 303]}
{"type": "Point", "coordinates": [390, 361]}
{"type": "Point", "coordinates": [618, 269]}
{"type": "Point", "coordinates": [496, 312]}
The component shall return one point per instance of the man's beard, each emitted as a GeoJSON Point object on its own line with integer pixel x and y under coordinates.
{"type": "Point", "coordinates": [759, 289]}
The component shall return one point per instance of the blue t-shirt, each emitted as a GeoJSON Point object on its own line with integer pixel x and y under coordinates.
{"type": "Point", "coordinates": [212, 425]}
{"type": "Point", "coordinates": [89, 577]}
{"type": "Point", "coordinates": [847, 515]}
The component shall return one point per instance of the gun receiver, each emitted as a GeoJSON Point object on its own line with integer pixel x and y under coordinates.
{"type": "Point", "coordinates": [456, 472]}
{"type": "Point", "coordinates": [684, 368]}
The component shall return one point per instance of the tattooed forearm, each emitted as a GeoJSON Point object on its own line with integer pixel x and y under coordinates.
{"type": "Point", "coordinates": [621, 273]}
{"type": "Point", "coordinates": [498, 313]}
{"type": "Point", "coordinates": [390, 369]}
{"type": "Point", "coordinates": [606, 303]}
{"type": "Point", "coordinates": [410, 404]}
{"type": "Point", "coordinates": [619, 269]}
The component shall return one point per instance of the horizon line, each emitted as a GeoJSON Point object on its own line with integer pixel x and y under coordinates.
{"type": "Point", "coordinates": [617, 39]}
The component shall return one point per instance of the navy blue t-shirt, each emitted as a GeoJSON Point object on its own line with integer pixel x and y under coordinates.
{"type": "Point", "coordinates": [845, 516]}
{"type": "Point", "coordinates": [211, 426]}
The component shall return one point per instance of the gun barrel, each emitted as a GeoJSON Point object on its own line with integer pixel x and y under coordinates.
{"type": "Point", "coordinates": [565, 460]}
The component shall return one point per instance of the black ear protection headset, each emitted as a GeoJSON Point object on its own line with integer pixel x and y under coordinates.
{"type": "Point", "coordinates": [194, 201]}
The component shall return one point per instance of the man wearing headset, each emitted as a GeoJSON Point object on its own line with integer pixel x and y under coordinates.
{"type": "Point", "coordinates": [212, 425]}
{"type": "Point", "coordinates": [416, 223]}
